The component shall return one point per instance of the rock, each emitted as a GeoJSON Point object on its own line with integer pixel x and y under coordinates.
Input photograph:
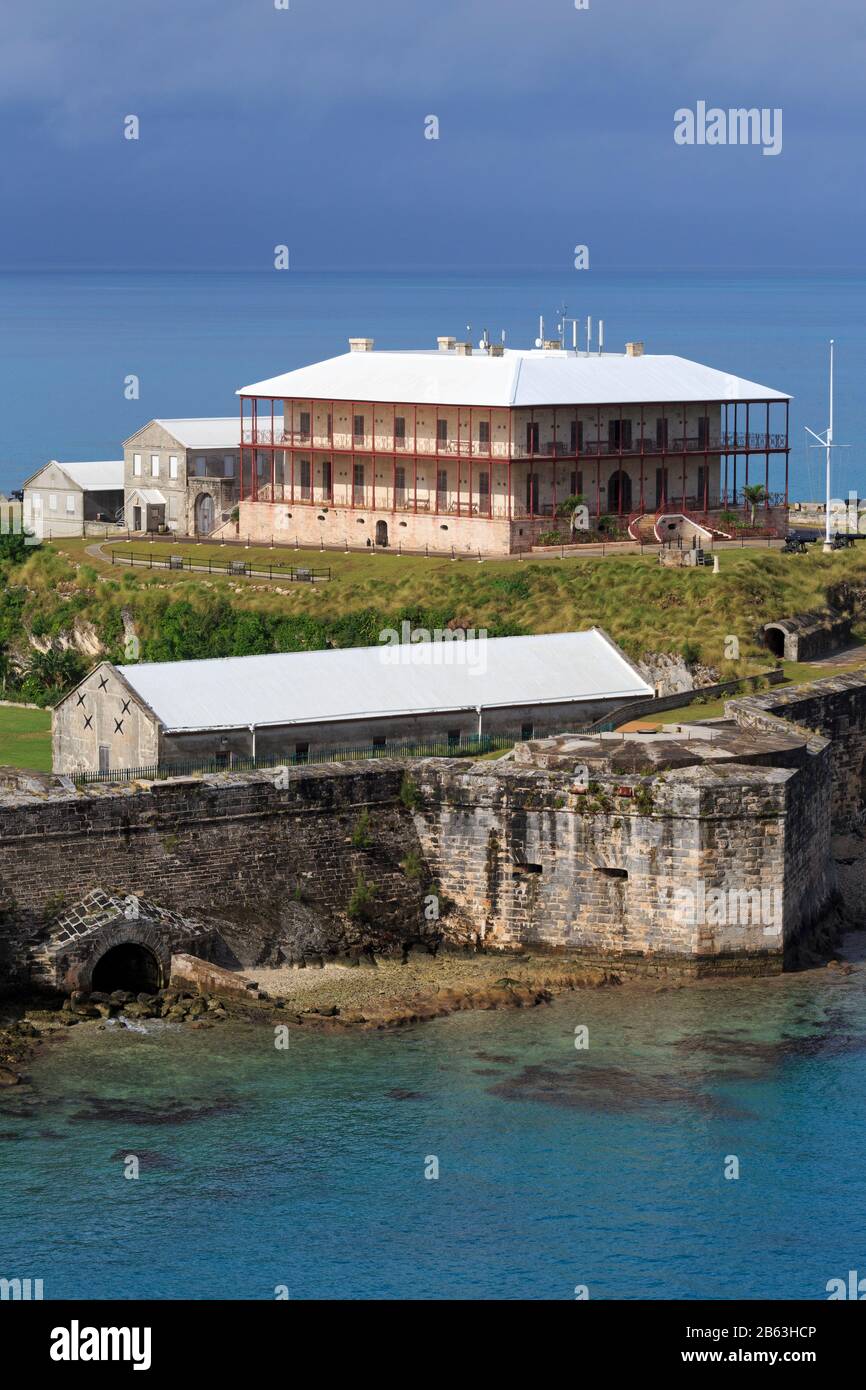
{"type": "Point", "coordinates": [145, 999]}
{"type": "Point", "coordinates": [79, 996]}
{"type": "Point", "coordinates": [97, 997]}
{"type": "Point", "coordinates": [121, 996]}
{"type": "Point", "coordinates": [8, 1077]}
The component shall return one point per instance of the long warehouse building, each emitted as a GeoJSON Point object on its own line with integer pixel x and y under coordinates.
{"type": "Point", "coordinates": [296, 705]}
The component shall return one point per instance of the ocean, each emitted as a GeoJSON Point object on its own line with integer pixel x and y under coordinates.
{"type": "Point", "coordinates": [70, 340]}
{"type": "Point", "coordinates": [309, 1172]}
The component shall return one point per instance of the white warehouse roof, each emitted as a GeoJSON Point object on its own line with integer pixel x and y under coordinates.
{"type": "Point", "coordinates": [361, 682]}
{"type": "Point", "coordinates": [219, 432]}
{"type": "Point", "coordinates": [102, 475]}
{"type": "Point", "coordinates": [517, 378]}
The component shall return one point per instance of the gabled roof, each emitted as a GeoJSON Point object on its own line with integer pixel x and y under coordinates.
{"type": "Point", "coordinates": [209, 432]}
{"type": "Point", "coordinates": [517, 378]}
{"type": "Point", "coordinates": [102, 475]}
{"type": "Point", "coordinates": [369, 682]}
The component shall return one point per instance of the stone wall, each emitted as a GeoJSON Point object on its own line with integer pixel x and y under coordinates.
{"type": "Point", "coordinates": [834, 710]}
{"type": "Point", "coordinates": [530, 859]}
{"type": "Point", "coordinates": [277, 859]}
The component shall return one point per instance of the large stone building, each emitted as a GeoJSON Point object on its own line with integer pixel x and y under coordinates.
{"type": "Point", "coordinates": [295, 705]}
{"type": "Point", "coordinates": [477, 449]}
{"type": "Point", "coordinates": [60, 497]}
{"type": "Point", "coordinates": [181, 475]}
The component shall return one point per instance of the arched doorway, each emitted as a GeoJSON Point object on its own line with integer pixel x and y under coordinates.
{"type": "Point", "coordinates": [775, 639]}
{"type": "Point", "coordinates": [619, 492]}
{"type": "Point", "coordinates": [204, 514]}
{"type": "Point", "coordinates": [381, 533]}
{"type": "Point", "coordinates": [129, 966]}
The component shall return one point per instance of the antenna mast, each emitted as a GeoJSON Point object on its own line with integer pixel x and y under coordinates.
{"type": "Point", "coordinates": [825, 441]}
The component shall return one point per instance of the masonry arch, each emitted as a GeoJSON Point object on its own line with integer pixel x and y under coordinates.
{"type": "Point", "coordinates": [131, 966]}
{"type": "Point", "coordinates": [205, 513]}
{"type": "Point", "coordinates": [774, 636]}
{"type": "Point", "coordinates": [381, 533]}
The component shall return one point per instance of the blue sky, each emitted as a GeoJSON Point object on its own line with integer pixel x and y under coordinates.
{"type": "Point", "coordinates": [306, 127]}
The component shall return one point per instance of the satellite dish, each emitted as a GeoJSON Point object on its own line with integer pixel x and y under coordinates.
{"type": "Point", "coordinates": [481, 344]}
{"type": "Point", "coordinates": [538, 342]}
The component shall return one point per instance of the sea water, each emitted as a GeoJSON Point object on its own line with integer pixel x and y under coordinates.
{"type": "Point", "coordinates": [709, 1142]}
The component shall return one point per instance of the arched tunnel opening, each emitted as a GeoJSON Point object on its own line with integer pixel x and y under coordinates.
{"type": "Point", "coordinates": [775, 640]}
{"type": "Point", "coordinates": [129, 966]}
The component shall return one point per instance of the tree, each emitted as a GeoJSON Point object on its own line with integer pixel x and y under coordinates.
{"type": "Point", "coordinates": [754, 494]}
{"type": "Point", "coordinates": [570, 507]}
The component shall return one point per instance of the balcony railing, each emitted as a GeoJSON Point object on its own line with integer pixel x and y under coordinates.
{"type": "Point", "coordinates": [344, 442]}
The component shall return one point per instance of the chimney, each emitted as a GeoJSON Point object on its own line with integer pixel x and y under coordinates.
{"type": "Point", "coordinates": [445, 344]}
{"type": "Point", "coordinates": [361, 344]}
{"type": "Point", "coordinates": [463, 349]}
{"type": "Point", "coordinates": [634, 349]}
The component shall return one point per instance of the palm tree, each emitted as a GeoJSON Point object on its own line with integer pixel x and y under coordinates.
{"type": "Point", "coordinates": [569, 507]}
{"type": "Point", "coordinates": [754, 494]}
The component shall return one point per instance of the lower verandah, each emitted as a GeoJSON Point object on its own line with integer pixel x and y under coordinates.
{"type": "Point", "coordinates": [501, 490]}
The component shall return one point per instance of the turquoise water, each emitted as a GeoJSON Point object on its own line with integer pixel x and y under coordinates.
{"type": "Point", "coordinates": [70, 339]}
{"type": "Point", "coordinates": [557, 1166]}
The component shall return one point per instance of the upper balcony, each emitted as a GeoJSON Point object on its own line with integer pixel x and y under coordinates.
{"type": "Point", "coordinates": [429, 446]}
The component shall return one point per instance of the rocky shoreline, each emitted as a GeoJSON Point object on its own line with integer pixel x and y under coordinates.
{"type": "Point", "coordinates": [376, 994]}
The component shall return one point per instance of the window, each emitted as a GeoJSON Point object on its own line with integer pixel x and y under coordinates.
{"type": "Point", "coordinates": [442, 431]}
{"type": "Point", "coordinates": [305, 423]}
{"type": "Point", "coordinates": [380, 741]}
{"type": "Point", "coordinates": [453, 738]}
{"type": "Point", "coordinates": [154, 465]}
{"type": "Point", "coordinates": [359, 427]}
{"type": "Point", "coordinates": [70, 503]}
{"type": "Point", "coordinates": [619, 436]}
{"type": "Point", "coordinates": [532, 437]}
{"type": "Point", "coordinates": [484, 491]}
{"type": "Point", "coordinates": [484, 433]}
{"type": "Point", "coordinates": [327, 485]}
{"type": "Point", "coordinates": [400, 485]}
{"type": "Point", "coordinates": [304, 466]}
{"type": "Point", "coordinates": [576, 437]}
{"type": "Point", "coordinates": [575, 482]}
{"type": "Point", "coordinates": [441, 487]}
{"type": "Point", "coordinates": [703, 432]}
{"type": "Point", "coordinates": [661, 433]}
{"type": "Point", "coordinates": [399, 429]}
{"type": "Point", "coordinates": [358, 483]}
{"type": "Point", "coordinates": [526, 732]}
{"type": "Point", "coordinates": [201, 466]}
{"type": "Point", "coordinates": [302, 752]}
{"type": "Point", "coordinates": [172, 465]}
{"type": "Point", "coordinates": [52, 501]}
{"type": "Point", "coordinates": [136, 465]}
{"type": "Point", "coordinates": [228, 465]}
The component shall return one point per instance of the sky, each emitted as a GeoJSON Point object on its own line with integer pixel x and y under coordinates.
{"type": "Point", "coordinates": [305, 127]}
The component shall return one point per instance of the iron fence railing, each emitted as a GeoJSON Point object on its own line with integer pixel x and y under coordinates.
{"type": "Point", "coordinates": [467, 746]}
{"type": "Point", "coordinates": [294, 573]}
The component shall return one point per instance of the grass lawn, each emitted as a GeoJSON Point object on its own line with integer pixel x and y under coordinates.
{"type": "Point", "coordinates": [25, 738]}
{"type": "Point", "coordinates": [796, 673]}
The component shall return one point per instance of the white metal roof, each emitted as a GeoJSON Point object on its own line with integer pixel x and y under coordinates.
{"type": "Point", "coordinates": [102, 475]}
{"type": "Point", "coordinates": [366, 682]}
{"type": "Point", "coordinates": [518, 378]}
{"type": "Point", "coordinates": [218, 432]}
